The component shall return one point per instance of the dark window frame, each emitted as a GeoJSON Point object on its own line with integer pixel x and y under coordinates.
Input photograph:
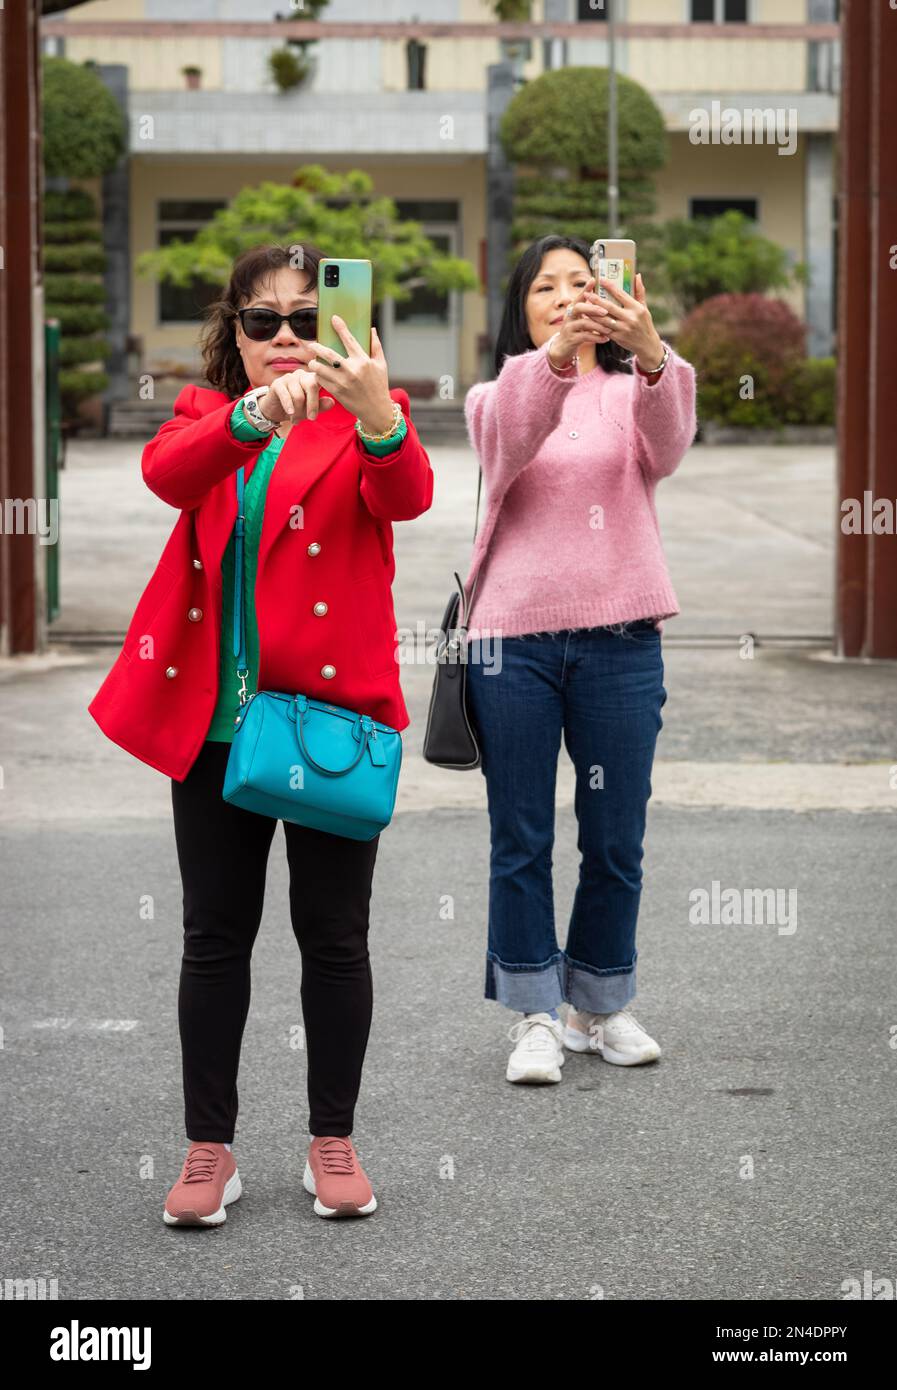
{"type": "Point", "coordinates": [725, 203]}
{"type": "Point", "coordinates": [179, 228]}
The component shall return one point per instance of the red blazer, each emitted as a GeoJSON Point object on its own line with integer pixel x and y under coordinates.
{"type": "Point", "coordinates": [326, 540]}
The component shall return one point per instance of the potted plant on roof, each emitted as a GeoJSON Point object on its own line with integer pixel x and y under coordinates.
{"type": "Point", "coordinates": [288, 68]}
{"type": "Point", "coordinates": [295, 63]}
{"type": "Point", "coordinates": [516, 51]}
{"type": "Point", "coordinates": [193, 75]}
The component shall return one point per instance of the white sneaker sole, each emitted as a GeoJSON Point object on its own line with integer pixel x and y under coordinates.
{"type": "Point", "coordinates": [536, 1073]}
{"type": "Point", "coordinates": [579, 1042]}
{"type": "Point", "coordinates": [345, 1209]}
{"type": "Point", "coordinates": [233, 1189]}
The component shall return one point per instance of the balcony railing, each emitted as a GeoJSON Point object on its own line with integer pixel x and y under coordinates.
{"type": "Point", "coordinates": [307, 29]}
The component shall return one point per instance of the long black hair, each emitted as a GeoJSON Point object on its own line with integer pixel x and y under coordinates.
{"type": "Point", "coordinates": [513, 334]}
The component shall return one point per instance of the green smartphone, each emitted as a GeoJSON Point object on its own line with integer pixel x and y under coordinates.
{"type": "Point", "coordinates": [345, 287]}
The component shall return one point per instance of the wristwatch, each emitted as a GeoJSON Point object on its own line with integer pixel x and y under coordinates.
{"type": "Point", "coordinates": [253, 411]}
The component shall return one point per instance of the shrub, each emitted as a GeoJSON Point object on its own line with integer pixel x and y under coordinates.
{"type": "Point", "coordinates": [814, 389]}
{"type": "Point", "coordinates": [704, 257]}
{"type": "Point", "coordinates": [734, 336]}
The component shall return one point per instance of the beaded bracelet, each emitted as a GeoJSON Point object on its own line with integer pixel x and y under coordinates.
{"type": "Point", "coordinates": [397, 418]}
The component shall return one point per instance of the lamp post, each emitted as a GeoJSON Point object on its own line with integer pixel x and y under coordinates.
{"type": "Point", "coordinates": [613, 192]}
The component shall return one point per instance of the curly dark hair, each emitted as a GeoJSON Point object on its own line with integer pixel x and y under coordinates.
{"type": "Point", "coordinates": [250, 271]}
{"type": "Point", "coordinates": [513, 334]}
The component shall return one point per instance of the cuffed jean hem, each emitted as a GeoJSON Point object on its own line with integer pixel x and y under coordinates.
{"type": "Point", "coordinates": [598, 991]}
{"type": "Point", "coordinates": [533, 989]}
{"type": "Point", "coordinates": [528, 989]}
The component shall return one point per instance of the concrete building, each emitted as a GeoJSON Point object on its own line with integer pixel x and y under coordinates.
{"type": "Point", "coordinates": [420, 129]}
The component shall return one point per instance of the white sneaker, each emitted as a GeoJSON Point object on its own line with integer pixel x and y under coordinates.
{"type": "Point", "coordinates": [619, 1037]}
{"type": "Point", "coordinates": [539, 1054]}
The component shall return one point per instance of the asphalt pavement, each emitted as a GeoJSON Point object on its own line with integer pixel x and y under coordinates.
{"type": "Point", "coordinates": [754, 1161]}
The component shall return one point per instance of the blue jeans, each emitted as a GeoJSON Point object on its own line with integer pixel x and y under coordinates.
{"type": "Point", "coordinates": [603, 689]}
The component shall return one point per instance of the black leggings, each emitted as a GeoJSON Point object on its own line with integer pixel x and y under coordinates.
{"type": "Point", "coordinates": [223, 853]}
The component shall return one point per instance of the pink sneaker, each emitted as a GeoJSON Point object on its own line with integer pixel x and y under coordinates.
{"type": "Point", "coordinates": [209, 1181]}
{"type": "Point", "coordinates": [334, 1175]}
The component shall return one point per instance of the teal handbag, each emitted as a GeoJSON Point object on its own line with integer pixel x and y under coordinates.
{"type": "Point", "coordinates": [302, 760]}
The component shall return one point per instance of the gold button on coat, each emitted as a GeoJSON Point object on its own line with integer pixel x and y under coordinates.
{"type": "Point", "coordinates": [314, 548]}
{"type": "Point", "coordinates": [171, 671]}
{"type": "Point", "coordinates": [195, 615]}
{"type": "Point", "coordinates": [197, 564]}
{"type": "Point", "coordinates": [320, 609]}
{"type": "Point", "coordinates": [328, 672]}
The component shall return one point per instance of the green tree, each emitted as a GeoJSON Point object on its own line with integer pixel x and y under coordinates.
{"type": "Point", "coordinates": [83, 129]}
{"type": "Point", "coordinates": [333, 211]}
{"type": "Point", "coordinates": [555, 128]}
{"type": "Point", "coordinates": [705, 257]}
{"type": "Point", "coordinates": [84, 135]}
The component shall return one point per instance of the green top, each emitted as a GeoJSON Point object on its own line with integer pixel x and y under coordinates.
{"type": "Point", "coordinates": [221, 729]}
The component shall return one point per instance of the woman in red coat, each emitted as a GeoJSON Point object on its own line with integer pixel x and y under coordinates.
{"type": "Point", "coordinates": [331, 459]}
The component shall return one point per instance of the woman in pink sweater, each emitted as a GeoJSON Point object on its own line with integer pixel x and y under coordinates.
{"type": "Point", "coordinates": [568, 589]}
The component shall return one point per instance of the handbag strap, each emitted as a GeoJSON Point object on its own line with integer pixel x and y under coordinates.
{"type": "Point", "coordinates": [239, 623]}
{"type": "Point", "coordinates": [366, 732]}
{"type": "Point", "coordinates": [468, 602]}
{"type": "Point", "coordinates": [239, 619]}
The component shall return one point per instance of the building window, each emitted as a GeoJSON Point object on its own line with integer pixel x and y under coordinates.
{"type": "Point", "coordinates": [416, 56]}
{"type": "Point", "coordinates": [719, 11]}
{"type": "Point", "coordinates": [587, 10]}
{"type": "Point", "coordinates": [426, 307]}
{"type": "Point", "coordinates": [715, 207]}
{"type": "Point", "coordinates": [180, 221]}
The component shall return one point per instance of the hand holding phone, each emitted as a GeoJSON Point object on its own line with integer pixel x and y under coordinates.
{"type": "Point", "coordinates": [630, 324]}
{"type": "Point", "coordinates": [583, 323]}
{"type": "Point", "coordinates": [359, 380]}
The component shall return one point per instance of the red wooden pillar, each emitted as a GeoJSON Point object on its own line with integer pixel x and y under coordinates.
{"type": "Point", "coordinates": [881, 590]}
{"type": "Point", "coordinates": [21, 325]}
{"type": "Point", "coordinates": [866, 564]}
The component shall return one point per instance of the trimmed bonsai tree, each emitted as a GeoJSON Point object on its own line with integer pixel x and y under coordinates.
{"type": "Point", "coordinates": [555, 128]}
{"type": "Point", "coordinates": [83, 136]}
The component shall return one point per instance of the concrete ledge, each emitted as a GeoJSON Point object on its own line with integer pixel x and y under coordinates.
{"type": "Point", "coordinates": [712, 433]}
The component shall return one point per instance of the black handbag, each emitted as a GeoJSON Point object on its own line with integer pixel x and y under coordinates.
{"type": "Point", "coordinates": [450, 739]}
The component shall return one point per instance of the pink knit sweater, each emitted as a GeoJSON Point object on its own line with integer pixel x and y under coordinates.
{"type": "Point", "coordinates": [570, 536]}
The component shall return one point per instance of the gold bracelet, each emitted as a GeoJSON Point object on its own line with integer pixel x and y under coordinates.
{"type": "Point", "coordinates": [397, 418]}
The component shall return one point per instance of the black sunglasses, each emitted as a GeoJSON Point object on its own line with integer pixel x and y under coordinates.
{"type": "Point", "coordinates": [261, 325]}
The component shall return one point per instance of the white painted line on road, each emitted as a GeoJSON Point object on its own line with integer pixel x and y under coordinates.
{"type": "Point", "coordinates": [88, 1025]}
